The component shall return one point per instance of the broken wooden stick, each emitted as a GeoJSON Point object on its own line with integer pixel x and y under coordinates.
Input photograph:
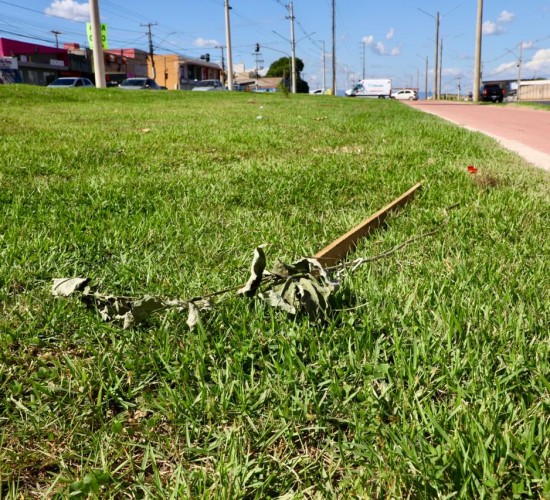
{"type": "Point", "coordinates": [340, 247]}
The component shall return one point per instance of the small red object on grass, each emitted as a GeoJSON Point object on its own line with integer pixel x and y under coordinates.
{"type": "Point", "coordinates": [472, 169]}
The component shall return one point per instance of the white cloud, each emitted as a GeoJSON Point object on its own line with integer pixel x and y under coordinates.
{"type": "Point", "coordinates": [390, 34]}
{"type": "Point", "coordinates": [527, 45]}
{"type": "Point", "coordinates": [491, 28]}
{"type": "Point", "coordinates": [540, 62]}
{"type": "Point", "coordinates": [202, 42]}
{"type": "Point", "coordinates": [498, 27]}
{"type": "Point", "coordinates": [505, 17]}
{"type": "Point", "coordinates": [368, 39]}
{"type": "Point", "coordinates": [69, 9]}
{"type": "Point", "coordinates": [379, 47]}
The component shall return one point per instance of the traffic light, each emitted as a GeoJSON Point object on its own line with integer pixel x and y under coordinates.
{"type": "Point", "coordinates": [257, 47]}
{"type": "Point", "coordinates": [206, 57]}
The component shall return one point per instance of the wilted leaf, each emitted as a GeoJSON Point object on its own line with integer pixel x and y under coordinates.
{"type": "Point", "coordinates": [195, 307]}
{"type": "Point", "coordinates": [274, 299]}
{"type": "Point", "coordinates": [256, 273]}
{"type": "Point", "coordinates": [129, 321]}
{"type": "Point", "coordinates": [143, 308]}
{"type": "Point", "coordinates": [63, 287]}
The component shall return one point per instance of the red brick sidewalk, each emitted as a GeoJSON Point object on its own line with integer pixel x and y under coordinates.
{"type": "Point", "coordinates": [525, 131]}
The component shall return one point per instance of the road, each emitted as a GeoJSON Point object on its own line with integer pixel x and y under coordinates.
{"type": "Point", "coordinates": [525, 131]}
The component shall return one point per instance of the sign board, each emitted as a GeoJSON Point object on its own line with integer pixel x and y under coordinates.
{"type": "Point", "coordinates": [57, 62]}
{"type": "Point", "coordinates": [8, 63]}
{"type": "Point", "coordinates": [104, 42]}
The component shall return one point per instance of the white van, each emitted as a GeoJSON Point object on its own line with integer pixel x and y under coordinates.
{"type": "Point", "coordinates": [379, 88]}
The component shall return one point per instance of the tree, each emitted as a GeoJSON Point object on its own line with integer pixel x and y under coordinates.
{"type": "Point", "coordinates": [283, 68]}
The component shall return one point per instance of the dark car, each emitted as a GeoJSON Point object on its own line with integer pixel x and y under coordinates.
{"type": "Point", "coordinates": [492, 92]}
{"type": "Point", "coordinates": [140, 84]}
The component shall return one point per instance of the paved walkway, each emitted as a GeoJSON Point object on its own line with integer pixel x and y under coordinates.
{"type": "Point", "coordinates": [525, 131]}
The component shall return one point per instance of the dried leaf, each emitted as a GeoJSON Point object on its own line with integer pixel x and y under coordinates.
{"type": "Point", "coordinates": [274, 299]}
{"type": "Point", "coordinates": [195, 308]}
{"type": "Point", "coordinates": [256, 273]}
{"type": "Point", "coordinates": [142, 309]}
{"type": "Point", "coordinates": [63, 287]}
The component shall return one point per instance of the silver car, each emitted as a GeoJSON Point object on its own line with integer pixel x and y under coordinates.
{"type": "Point", "coordinates": [71, 81]}
{"type": "Point", "coordinates": [208, 85]}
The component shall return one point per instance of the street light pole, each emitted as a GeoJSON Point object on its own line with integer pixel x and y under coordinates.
{"type": "Point", "coordinates": [436, 55]}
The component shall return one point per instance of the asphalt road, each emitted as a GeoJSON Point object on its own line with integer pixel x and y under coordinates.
{"type": "Point", "coordinates": [525, 131]}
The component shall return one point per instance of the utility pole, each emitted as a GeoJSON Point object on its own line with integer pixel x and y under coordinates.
{"type": "Point", "coordinates": [477, 63]}
{"type": "Point", "coordinates": [292, 47]}
{"type": "Point", "coordinates": [426, 80]}
{"type": "Point", "coordinates": [436, 56]}
{"type": "Point", "coordinates": [436, 63]}
{"type": "Point", "coordinates": [223, 63]}
{"type": "Point", "coordinates": [333, 47]}
{"type": "Point", "coordinates": [440, 70]}
{"type": "Point", "coordinates": [228, 45]}
{"type": "Point", "coordinates": [56, 34]}
{"type": "Point", "coordinates": [519, 69]}
{"type": "Point", "coordinates": [99, 63]}
{"type": "Point", "coordinates": [324, 69]}
{"type": "Point", "coordinates": [151, 52]}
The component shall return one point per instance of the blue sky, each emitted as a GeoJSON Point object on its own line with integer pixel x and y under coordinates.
{"type": "Point", "coordinates": [391, 39]}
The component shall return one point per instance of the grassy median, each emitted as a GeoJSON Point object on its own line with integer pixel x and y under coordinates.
{"type": "Point", "coordinates": [429, 375]}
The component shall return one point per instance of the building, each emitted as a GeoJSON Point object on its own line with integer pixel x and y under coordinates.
{"type": "Point", "coordinates": [22, 62]}
{"type": "Point", "coordinates": [179, 72]}
{"type": "Point", "coordinates": [32, 63]}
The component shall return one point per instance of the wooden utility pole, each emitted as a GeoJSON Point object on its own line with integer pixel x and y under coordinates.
{"type": "Point", "coordinates": [151, 49]}
{"type": "Point", "coordinates": [56, 34]}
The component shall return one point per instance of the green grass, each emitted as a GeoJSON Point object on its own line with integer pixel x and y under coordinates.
{"type": "Point", "coordinates": [534, 105]}
{"type": "Point", "coordinates": [430, 377]}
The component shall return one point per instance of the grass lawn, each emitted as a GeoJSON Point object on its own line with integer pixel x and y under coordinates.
{"type": "Point", "coordinates": [429, 377]}
{"type": "Point", "coordinates": [534, 105]}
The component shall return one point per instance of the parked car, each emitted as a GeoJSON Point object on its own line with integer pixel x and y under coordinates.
{"type": "Point", "coordinates": [511, 96]}
{"type": "Point", "coordinates": [492, 92]}
{"type": "Point", "coordinates": [405, 94]}
{"type": "Point", "coordinates": [209, 85]}
{"type": "Point", "coordinates": [317, 91]}
{"type": "Point", "coordinates": [140, 84]}
{"type": "Point", "coordinates": [236, 87]}
{"type": "Point", "coordinates": [71, 81]}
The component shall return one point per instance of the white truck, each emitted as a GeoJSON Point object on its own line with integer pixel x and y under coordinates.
{"type": "Point", "coordinates": [379, 88]}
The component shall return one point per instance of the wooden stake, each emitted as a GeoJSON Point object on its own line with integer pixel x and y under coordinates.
{"type": "Point", "coordinates": [339, 248]}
